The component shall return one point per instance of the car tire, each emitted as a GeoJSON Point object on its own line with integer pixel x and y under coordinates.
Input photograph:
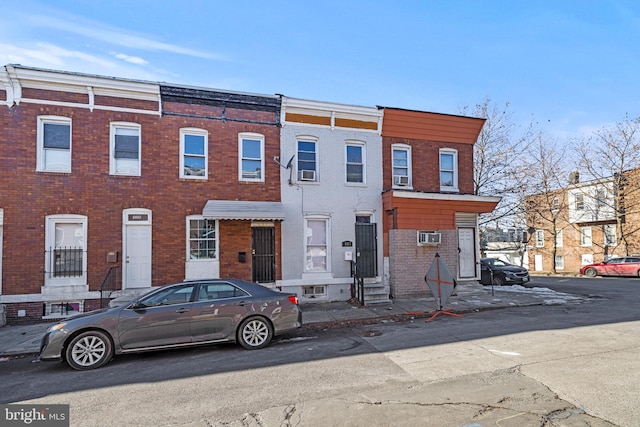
{"type": "Point", "coordinates": [89, 350]}
{"type": "Point", "coordinates": [255, 333]}
{"type": "Point", "coordinates": [590, 272]}
{"type": "Point", "coordinates": [498, 281]}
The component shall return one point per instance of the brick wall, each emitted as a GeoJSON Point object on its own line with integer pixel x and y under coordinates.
{"type": "Point", "coordinates": [409, 263]}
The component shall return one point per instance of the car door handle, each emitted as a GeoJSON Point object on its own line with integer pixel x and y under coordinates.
{"type": "Point", "coordinates": [182, 310]}
{"type": "Point", "coordinates": [241, 303]}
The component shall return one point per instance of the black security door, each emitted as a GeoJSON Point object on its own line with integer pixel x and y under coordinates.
{"type": "Point", "coordinates": [366, 252]}
{"type": "Point", "coordinates": [263, 255]}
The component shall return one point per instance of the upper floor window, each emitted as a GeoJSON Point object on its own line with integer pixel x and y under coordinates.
{"type": "Point", "coordinates": [54, 144]}
{"type": "Point", "coordinates": [401, 165]}
{"type": "Point", "coordinates": [555, 203]}
{"type": "Point", "coordinates": [307, 160]}
{"type": "Point", "coordinates": [355, 163]}
{"type": "Point", "coordinates": [610, 238]}
{"type": "Point", "coordinates": [539, 238]}
{"type": "Point", "coordinates": [193, 153]}
{"type": "Point", "coordinates": [559, 239]}
{"type": "Point", "coordinates": [585, 236]}
{"type": "Point", "coordinates": [579, 199]}
{"type": "Point", "coordinates": [448, 170]}
{"type": "Point", "coordinates": [251, 157]}
{"type": "Point", "coordinates": [125, 149]}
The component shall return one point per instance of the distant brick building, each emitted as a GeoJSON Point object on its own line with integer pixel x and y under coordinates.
{"type": "Point", "coordinates": [583, 223]}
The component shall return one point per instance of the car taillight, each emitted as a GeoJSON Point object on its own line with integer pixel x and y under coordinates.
{"type": "Point", "coordinates": [293, 299]}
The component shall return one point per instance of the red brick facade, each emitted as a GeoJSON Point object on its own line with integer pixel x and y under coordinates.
{"type": "Point", "coordinates": [28, 196]}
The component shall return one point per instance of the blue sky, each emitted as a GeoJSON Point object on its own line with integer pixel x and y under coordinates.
{"type": "Point", "coordinates": [571, 65]}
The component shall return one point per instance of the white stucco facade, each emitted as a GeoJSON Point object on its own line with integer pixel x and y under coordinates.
{"type": "Point", "coordinates": [322, 207]}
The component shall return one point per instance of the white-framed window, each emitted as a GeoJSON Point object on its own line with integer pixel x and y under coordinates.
{"type": "Point", "coordinates": [585, 236]}
{"type": "Point", "coordinates": [316, 244]}
{"type": "Point", "coordinates": [125, 149]}
{"type": "Point", "coordinates": [539, 238]}
{"type": "Point", "coordinates": [65, 250]}
{"type": "Point", "coordinates": [193, 153]}
{"type": "Point", "coordinates": [202, 240]}
{"type": "Point", "coordinates": [448, 169]}
{"type": "Point", "coordinates": [251, 157]}
{"type": "Point", "coordinates": [587, 259]}
{"type": "Point", "coordinates": [559, 239]}
{"type": "Point", "coordinates": [610, 237]}
{"type": "Point", "coordinates": [307, 159]}
{"type": "Point", "coordinates": [314, 291]}
{"type": "Point", "coordinates": [54, 144]}
{"type": "Point", "coordinates": [559, 262]}
{"type": "Point", "coordinates": [401, 165]}
{"type": "Point", "coordinates": [555, 203]}
{"type": "Point", "coordinates": [579, 202]}
{"type": "Point", "coordinates": [355, 162]}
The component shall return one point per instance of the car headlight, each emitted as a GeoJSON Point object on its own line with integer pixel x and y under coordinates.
{"type": "Point", "coordinates": [57, 327]}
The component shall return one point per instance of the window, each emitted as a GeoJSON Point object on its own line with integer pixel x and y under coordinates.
{"type": "Point", "coordinates": [555, 203]}
{"type": "Point", "coordinates": [251, 149]}
{"type": "Point", "coordinates": [448, 170]}
{"type": "Point", "coordinates": [316, 245]}
{"type": "Point", "coordinates": [585, 236]}
{"type": "Point", "coordinates": [125, 149]}
{"type": "Point", "coordinates": [54, 144]}
{"type": "Point", "coordinates": [355, 163]}
{"type": "Point", "coordinates": [539, 238]}
{"type": "Point", "coordinates": [65, 250]}
{"type": "Point", "coordinates": [193, 153]}
{"type": "Point", "coordinates": [610, 238]}
{"type": "Point", "coordinates": [203, 243]}
{"type": "Point", "coordinates": [169, 296]}
{"type": "Point", "coordinates": [559, 239]}
{"type": "Point", "coordinates": [586, 259]}
{"type": "Point", "coordinates": [579, 198]}
{"type": "Point", "coordinates": [211, 291]}
{"type": "Point", "coordinates": [401, 160]}
{"type": "Point", "coordinates": [307, 161]}
{"type": "Point", "coordinates": [559, 262]}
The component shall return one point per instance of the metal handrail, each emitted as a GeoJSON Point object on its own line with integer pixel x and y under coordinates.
{"type": "Point", "coordinates": [108, 286]}
{"type": "Point", "coordinates": [357, 287]}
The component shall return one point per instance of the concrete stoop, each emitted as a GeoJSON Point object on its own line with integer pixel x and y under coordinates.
{"type": "Point", "coordinates": [376, 293]}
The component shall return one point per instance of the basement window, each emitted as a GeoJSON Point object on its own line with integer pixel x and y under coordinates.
{"type": "Point", "coordinates": [56, 310]}
{"type": "Point", "coordinates": [314, 291]}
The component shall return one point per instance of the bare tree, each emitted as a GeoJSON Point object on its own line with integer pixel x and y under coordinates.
{"type": "Point", "coordinates": [499, 156]}
{"type": "Point", "coordinates": [612, 155]}
{"type": "Point", "coordinates": [547, 208]}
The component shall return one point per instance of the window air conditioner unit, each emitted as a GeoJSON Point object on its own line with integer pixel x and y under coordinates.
{"type": "Point", "coordinates": [400, 180]}
{"type": "Point", "coordinates": [307, 175]}
{"type": "Point", "coordinates": [429, 238]}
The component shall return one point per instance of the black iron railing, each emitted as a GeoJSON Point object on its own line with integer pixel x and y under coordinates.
{"type": "Point", "coordinates": [357, 287]}
{"type": "Point", "coordinates": [108, 286]}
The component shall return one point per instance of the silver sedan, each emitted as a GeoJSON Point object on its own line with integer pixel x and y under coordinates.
{"type": "Point", "coordinates": [177, 315]}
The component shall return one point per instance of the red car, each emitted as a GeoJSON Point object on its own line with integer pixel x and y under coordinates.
{"type": "Point", "coordinates": [623, 266]}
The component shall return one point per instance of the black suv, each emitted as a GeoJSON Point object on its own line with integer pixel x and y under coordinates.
{"type": "Point", "coordinates": [498, 272]}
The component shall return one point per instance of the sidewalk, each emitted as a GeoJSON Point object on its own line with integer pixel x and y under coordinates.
{"type": "Point", "coordinates": [18, 340]}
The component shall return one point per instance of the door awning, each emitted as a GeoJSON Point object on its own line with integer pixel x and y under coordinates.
{"type": "Point", "coordinates": [243, 210]}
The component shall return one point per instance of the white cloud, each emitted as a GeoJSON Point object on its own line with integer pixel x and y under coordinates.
{"type": "Point", "coordinates": [113, 35]}
{"type": "Point", "coordinates": [132, 59]}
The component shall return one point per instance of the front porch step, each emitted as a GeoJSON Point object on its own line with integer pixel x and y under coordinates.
{"type": "Point", "coordinates": [376, 293]}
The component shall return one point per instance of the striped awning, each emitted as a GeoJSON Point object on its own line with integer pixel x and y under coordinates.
{"type": "Point", "coordinates": [243, 210]}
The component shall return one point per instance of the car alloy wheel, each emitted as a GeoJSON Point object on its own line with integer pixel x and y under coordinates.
{"type": "Point", "coordinates": [591, 272]}
{"type": "Point", "coordinates": [254, 333]}
{"type": "Point", "coordinates": [89, 350]}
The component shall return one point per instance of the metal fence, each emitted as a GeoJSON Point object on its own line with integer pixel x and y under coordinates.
{"type": "Point", "coordinates": [66, 261]}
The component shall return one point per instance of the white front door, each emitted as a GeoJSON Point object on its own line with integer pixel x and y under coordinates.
{"type": "Point", "coordinates": [537, 262]}
{"type": "Point", "coordinates": [467, 253]}
{"type": "Point", "coordinates": [137, 249]}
